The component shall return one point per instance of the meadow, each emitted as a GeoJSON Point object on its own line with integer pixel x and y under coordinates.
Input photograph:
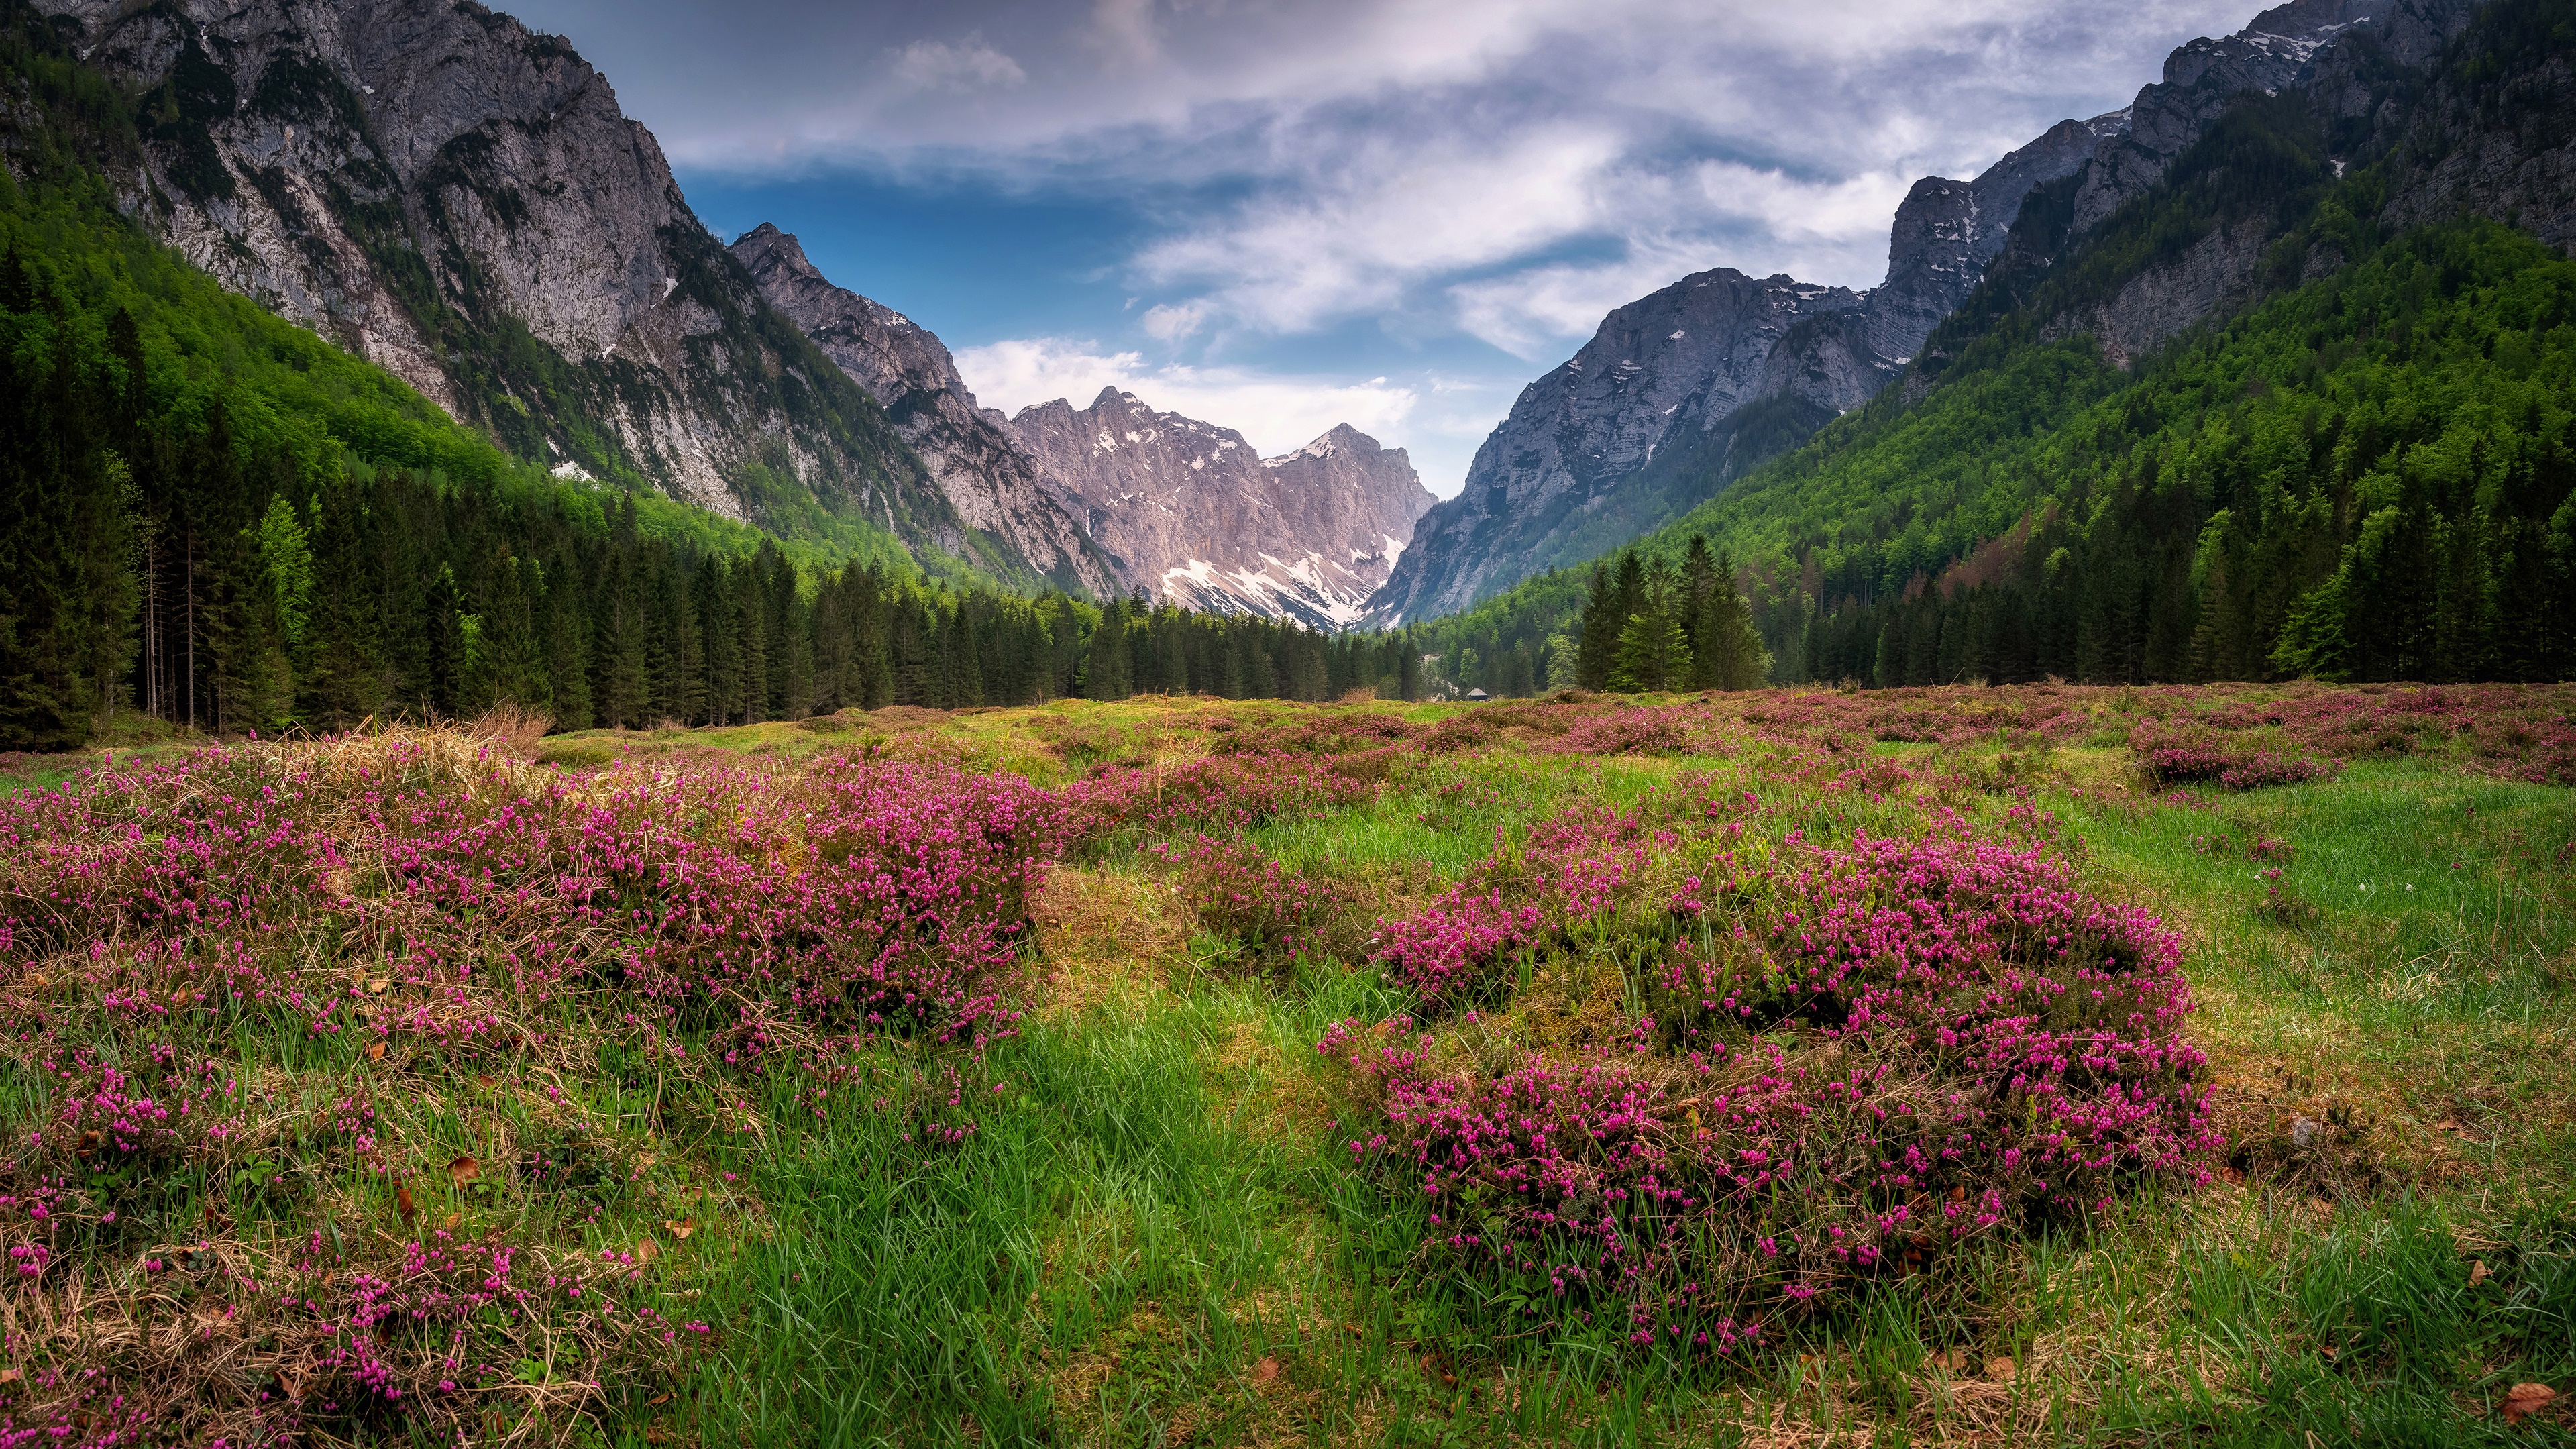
{"type": "Point", "coordinates": [1914, 1066]}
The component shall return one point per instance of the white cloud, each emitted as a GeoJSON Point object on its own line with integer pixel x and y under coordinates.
{"type": "Point", "coordinates": [1172, 322]}
{"type": "Point", "coordinates": [1276, 412]}
{"type": "Point", "coordinates": [1357, 239]}
{"type": "Point", "coordinates": [963, 65]}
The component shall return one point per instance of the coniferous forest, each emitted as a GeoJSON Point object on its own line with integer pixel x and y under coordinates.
{"type": "Point", "coordinates": [215, 519]}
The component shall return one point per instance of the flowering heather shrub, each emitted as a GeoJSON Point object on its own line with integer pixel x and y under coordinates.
{"type": "Point", "coordinates": [2169, 762]}
{"type": "Point", "coordinates": [1666, 730]}
{"type": "Point", "coordinates": [890, 897]}
{"type": "Point", "coordinates": [400, 902]}
{"type": "Point", "coordinates": [438, 1331]}
{"type": "Point", "coordinates": [1577, 870]}
{"type": "Point", "coordinates": [1242, 895]}
{"type": "Point", "coordinates": [1442, 952]}
{"type": "Point", "coordinates": [2266, 768]}
{"type": "Point", "coordinates": [1229, 791]}
{"type": "Point", "coordinates": [1955, 1037]}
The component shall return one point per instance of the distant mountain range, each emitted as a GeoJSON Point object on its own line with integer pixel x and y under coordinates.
{"type": "Point", "coordinates": [1126, 497]}
{"type": "Point", "coordinates": [460, 199]}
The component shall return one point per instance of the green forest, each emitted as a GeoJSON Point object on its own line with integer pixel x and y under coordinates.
{"type": "Point", "coordinates": [216, 519]}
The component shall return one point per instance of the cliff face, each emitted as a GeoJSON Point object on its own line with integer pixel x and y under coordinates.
{"type": "Point", "coordinates": [1664, 371]}
{"type": "Point", "coordinates": [991, 483]}
{"type": "Point", "coordinates": [2362, 85]}
{"type": "Point", "coordinates": [462, 201]}
{"type": "Point", "coordinates": [1193, 514]}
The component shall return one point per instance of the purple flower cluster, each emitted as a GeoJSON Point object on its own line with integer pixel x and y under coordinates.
{"type": "Point", "coordinates": [1870, 1055]}
{"type": "Point", "coordinates": [1245, 896]}
{"type": "Point", "coordinates": [1212, 792]}
{"type": "Point", "coordinates": [1571, 871]}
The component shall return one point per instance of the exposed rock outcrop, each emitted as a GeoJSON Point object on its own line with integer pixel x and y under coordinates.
{"type": "Point", "coordinates": [988, 479]}
{"type": "Point", "coordinates": [1193, 514]}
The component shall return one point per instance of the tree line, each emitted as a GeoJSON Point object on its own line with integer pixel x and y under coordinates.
{"type": "Point", "coordinates": [158, 557]}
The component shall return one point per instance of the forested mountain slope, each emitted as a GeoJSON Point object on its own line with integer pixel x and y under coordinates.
{"type": "Point", "coordinates": [213, 518]}
{"type": "Point", "coordinates": [461, 201]}
{"type": "Point", "coordinates": [2364, 475]}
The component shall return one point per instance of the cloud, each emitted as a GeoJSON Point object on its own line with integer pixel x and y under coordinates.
{"type": "Point", "coordinates": [1358, 238]}
{"type": "Point", "coordinates": [1171, 323]}
{"type": "Point", "coordinates": [964, 65]}
{"type": "Point", "coordinates": [1276, 412]}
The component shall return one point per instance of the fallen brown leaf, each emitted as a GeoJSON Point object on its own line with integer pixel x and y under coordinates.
{"type": "Point", "coordinates": [2526, 1400]}
{"type": "Point", "coordinates": [463, 1170]}
{"type": "Point", "coordinates": [681, 1228]}
{"type": "Point", "coordinates": [482, 1079]}
{"type": "Point", "coordinates": [2478, 1272]}
{"type": "Point", "coordinates": [1266, 1370]}
{"type": "Point", "coordinates": [402, 1203]}
{"type": "Point", "coordinates": [647, 1250]}
{"type": "Point", "coordinates": [658, 1400]}
{"type": "Point", "coordinates": [8, 1376]}
{"type": "Point", "coordinates": [375, 1051]}
{"type": "Point", "coordinates": [2000, 1370]}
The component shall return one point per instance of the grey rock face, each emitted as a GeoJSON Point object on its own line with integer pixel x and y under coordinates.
{"type": "Point", "coordinates": [986, 476]}
{"type": "Point", "coordinates": [2321, 52]}
{"type": "Point", "coordinates": [462, 201]}
{"type": "Point", "coordinates": [1194, 515]}
{"type": "Point", "coordinates": [2214, 274]}
{"type": "Point", "coordinates": [1661, 372]}
{"type": "Point", "coordinates": [1947, 231]}
{"type": "Point", "coordinates": [2278, 49]}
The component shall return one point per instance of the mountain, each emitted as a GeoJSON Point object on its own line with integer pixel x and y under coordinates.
{"type": "Point", "coordinates": [1580, 466]}
{"type": "Point", "coordinates": [1193, 514]}
{"type": "Point", "coordinates": [987, 478]}
{"type": "Point", "coordinates": [444, 192]}
{"type": "Point", "coordinates": [1684, 389]}
{"type": "Point", "coordinates": [1679, 364]}
{"type": "Point", "coordinates": [2301, 406]}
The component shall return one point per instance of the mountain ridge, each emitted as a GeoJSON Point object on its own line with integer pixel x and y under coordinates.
{"type": "Point", "coordinates": [1194, 514]}
{"type": "Point", "coordinates": [987, 477]}
{"type": "Point", "coordinates": [1520, 513]}
{"type": "Point", "coordinates": [462, 200]}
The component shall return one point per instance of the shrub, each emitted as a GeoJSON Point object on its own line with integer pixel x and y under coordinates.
{"type": "Point", "coordinates": [1956, 1038]}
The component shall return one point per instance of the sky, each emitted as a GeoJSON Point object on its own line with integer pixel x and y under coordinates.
{"type": "Point", "coordinates": [1278, 215]}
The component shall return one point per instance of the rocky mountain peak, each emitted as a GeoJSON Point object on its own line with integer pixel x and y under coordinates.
{"type": "Point", "coordinates": [435, 187]}
{"type": "Point", "coordinates": [979, 466]}
{"type": "Point", "coordinates": [1195, 515]}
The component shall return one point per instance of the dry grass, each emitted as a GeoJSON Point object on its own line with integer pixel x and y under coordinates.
{"type": "Point", "coordinates": [1108, 939]}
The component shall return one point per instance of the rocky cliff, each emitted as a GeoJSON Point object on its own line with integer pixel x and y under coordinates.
{"type": "Point", "coordinates": [462, 201]}
{"type": "Point", "coordinates": [1665, 371]}
{"type": "Point", "coordinates": [2316, 89]}
{"type": "Point", "coordinates": [987, 478]}
{"type": "Point", "coordinates": [1193, 514]}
